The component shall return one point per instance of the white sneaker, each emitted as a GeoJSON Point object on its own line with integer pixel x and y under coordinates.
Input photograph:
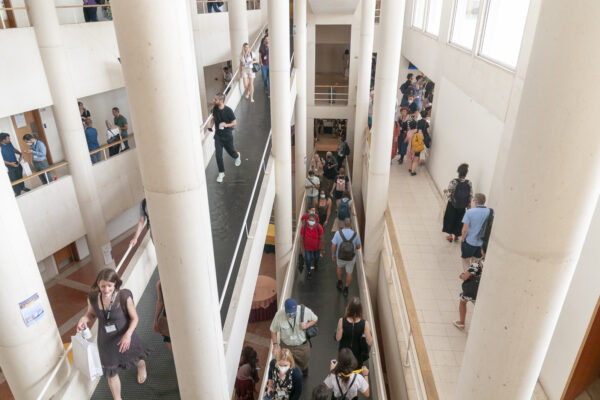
{"type": "Point", "coordinates": [238, 160]}
{"type": "Point", "coordinates": [220, 177]}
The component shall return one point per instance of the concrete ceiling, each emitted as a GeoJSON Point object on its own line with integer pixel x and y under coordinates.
{"type": "Point", "coordinates": [333, 6]}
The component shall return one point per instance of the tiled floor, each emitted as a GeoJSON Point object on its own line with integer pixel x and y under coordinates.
{"type": "Point", "coordinates": [432, 265]}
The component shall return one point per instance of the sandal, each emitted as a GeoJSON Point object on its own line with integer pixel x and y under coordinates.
{"type": "Point", "coordinates": [449, 238]}
{"type": "Point", "coordinates": [459, 325]}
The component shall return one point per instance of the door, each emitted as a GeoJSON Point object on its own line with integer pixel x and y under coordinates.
{"type": "Point", "coordinates": [8, 16]}
{"type": "Point", "coordinates": [30, 122]}
{"type": "Point", "coordinates": [66, 256]}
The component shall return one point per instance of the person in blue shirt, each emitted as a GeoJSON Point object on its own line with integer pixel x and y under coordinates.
{"type": "Point", "coordinates": [473, 222]}
{"type": "Point", "coordinates": [91, 137]}
{"type": "Point", "coordinates": [15, 171]}
{"type": "Point", "coordinates": [349, 235]}
{"type": "Point", "coordinates": [37, 149]}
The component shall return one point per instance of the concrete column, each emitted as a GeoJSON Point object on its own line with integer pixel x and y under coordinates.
{"type": "Point", "coordinates": [199, 60]}
{"type": "Point", "coordinates": [367, 26]}
{"type": "Point", "coordinates": [177, 197]}
{"type": "Point", "coordinates": [301, 127]}
{"type": "Point", "coordinates": [311, 37]}
{"type": "Point", "coordinates": [42, 16]}
{"type": "Point", "coordinates": [386, 82]}
{"type": "Point", "coordinates": [543, 213]}
{"type": "Point", "coordinates": [27, 354]}
{"type": "Point", "coordinates": [279, 69]}
{"type": "Point", "coordinates": [238, 30]}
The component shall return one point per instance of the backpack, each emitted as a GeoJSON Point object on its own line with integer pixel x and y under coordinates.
{"type": "Point", "coordinates": [404, 88]}
{"type": "Point", "coordinates": [460, 196]}
{"type": "Point", "coordinates": [344, 209]}
{"type": "Point", "coordinates": [346, 149]}
{"type": "Point", "coordinates": [417, 143]}
{"type": "Point", "coordinates": [346, 251]}
{"type": "Point", "coordinates": [340, 183]}
{"type": "Point", "coordinates": [486, 228]}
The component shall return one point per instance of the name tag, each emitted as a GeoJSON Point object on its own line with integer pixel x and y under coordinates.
{"type": "Point", "coordinates": [294, 337]}
{"type": "Point", "coordinates": [110, 328]}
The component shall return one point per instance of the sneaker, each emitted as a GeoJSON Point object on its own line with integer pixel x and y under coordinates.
{"type": "Point", "coordinates": [220, 177]}
{"type": "Point", "coordinates": [238, 160]}
{"type": "Point", "coordinates": [345, 292]}
{"type": "Point", "coordinates": [339, 285]}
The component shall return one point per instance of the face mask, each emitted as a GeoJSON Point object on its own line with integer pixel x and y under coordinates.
{"type": "Point", "coordinates": [283, 369]}
{"type": "Point", "coordinates": [322, 196]}
{"type": "Point", "coordinates": [410, 102]}
{"type": "Point", "coordinates": [29, 143]}
{"type": "Point", "coordinates": [312, 212]}
{"type": "Point", "coordinates": [311, 223]}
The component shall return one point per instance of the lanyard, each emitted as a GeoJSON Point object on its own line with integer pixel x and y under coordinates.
{"type": "Point", "coordinates": [294, 326]}
{"type": "Point", "coordinates": [107, 314]}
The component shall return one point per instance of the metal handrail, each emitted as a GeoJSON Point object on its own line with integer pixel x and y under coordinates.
{"type": "Point", "coordinates": [262, 167]}
{"type": "Point", "coordinates": [38, 173]}
{"type": "Point", "coordinates": [235, 77]}
{"type": "Point", "coordinates": [333, 86]}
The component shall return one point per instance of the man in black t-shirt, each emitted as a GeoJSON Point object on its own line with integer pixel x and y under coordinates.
{"type": "Point", "coordinates": [224, 121]}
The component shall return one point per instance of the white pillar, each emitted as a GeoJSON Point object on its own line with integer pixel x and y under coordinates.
{"type": "Point", "coordinates": [543, 213]}
{"type": "Point", "coordinates": [238, 30]}
{"type": "Point", "coordinates": [311, 37]}
{"type": "Point", "coordinates": [279, 69]}
{"type": "Point", "coordinates": [199, 59]}
{"type": "Point", "coordinates": [301, 161]}
{"type": "Point", "coordinates": [367, 26]}
{"type": "Point", "coordinates": [27, 354]}
{"type": "Point", "coordinates": [161, 82]}
{"type": "Point", "coordinates": [386, 81]}
{"type": "Point", "coordinates": [42, 16]}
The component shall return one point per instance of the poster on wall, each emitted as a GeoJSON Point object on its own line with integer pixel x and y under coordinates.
{"type": "Point", "coordinates": [20, 120]}
{"type": "Point", "coordinates": [31, 310]}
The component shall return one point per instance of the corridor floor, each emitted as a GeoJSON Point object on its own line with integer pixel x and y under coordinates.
{"type": "Point", "coordinates": [432, 265]}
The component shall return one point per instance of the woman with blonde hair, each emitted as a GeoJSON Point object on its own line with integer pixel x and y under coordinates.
{"type": "Point", "coordinates": [285, 379]}
{"type": "Point", "coordinates": [247, 59]}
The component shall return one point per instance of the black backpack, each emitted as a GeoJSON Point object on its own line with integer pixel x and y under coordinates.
{"type": "Point", "coordinates": [404, 88]}
{"type": "Point", "coordinates": [486, 228]}
{"type": "Point", "coordinates": [461, 195]}
{"type": "Point", "coordinates": [347, 251]}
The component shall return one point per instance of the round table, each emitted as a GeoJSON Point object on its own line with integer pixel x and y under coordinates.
{"type": "Point", "coordinates": [264, 302]}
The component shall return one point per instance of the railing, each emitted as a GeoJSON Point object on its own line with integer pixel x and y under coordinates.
{"type": "Point", "coordinates": [331, 94]}
{"type": "Point", "coordinates": [107, 146]}
{"type": "Point", "coordinates": [212, 6]}
{"type": "Point", "coordinates": [416, 352]}
{"type": "Point", "coordinates": [244, 229]}
{"type": "Point", "coordinates": [377, 11]}
{"type": "Point", "coordinates": [46, 172]}
{"type": "Point", "coordinates": [8, 16]}
{"type": "Point", "coordinates": [228, 92]}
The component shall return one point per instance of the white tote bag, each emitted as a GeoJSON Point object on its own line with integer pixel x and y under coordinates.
{"type": "Point", "coordinates": [26, 168]}
{"type": "Point", "coordinates": [86, 357]}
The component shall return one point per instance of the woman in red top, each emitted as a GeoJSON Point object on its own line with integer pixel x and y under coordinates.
{"type": "Point", "coordinates": [312, 240]}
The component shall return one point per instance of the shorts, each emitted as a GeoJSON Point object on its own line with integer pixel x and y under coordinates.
{"type": "Point", "coordinates": [417, 153]}
{"type": "Point", "coordinates": [468, 251]}
{"type": "Point", "coordinates": [347, 265]}
{"type": "Point", "coordinates": [248, 73]}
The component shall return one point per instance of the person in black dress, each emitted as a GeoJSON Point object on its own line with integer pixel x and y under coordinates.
{"type": "Point", "coordinates": [459, 194]}
{"type": "Point", "coordinates": [351, 328]}
{"type": "Point", "coordinates": [329, 170]}
{"type": "Point", "coordinates": [118, 345]}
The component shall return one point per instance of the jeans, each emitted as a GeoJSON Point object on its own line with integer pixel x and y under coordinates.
{"type": "Point", "coordinates": [90, 14]}
{"type": "Point", "coordinates": [39, 166]}
{"type": "Point", "coordinates": [265, 76]}
{"type": "Point", "coordinates": [95, 158]}
{"type": "Point", "coordinates": [224, 140]}
{"type": "Point", "coordinates": [213, 6]}
{"type": "Point", "coordinates": [126, 143]}
{"type": "Point", "coordinates": [309, 256]}
{"type": "Point", "coordinates": [310, 201]}
{"type": "Point", "coordinates": [402, 147]}
{"type": "Point", "coordinates": [15, 173]}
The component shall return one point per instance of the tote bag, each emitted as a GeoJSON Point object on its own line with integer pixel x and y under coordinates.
{"type": "Point", "coordinates": [86, 357]}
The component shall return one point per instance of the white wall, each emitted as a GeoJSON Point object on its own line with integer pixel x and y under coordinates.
{"type": "Point", "coordinates": [575, 316]}
{"type": "Point", "coordinates": [100, 106]}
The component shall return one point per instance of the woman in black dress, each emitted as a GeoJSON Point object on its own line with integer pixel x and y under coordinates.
{"type": "Point", "coordinates": [118, 345]}
{"type": "Point", "coordinates": [351, 328]}
{"type": "Point", "coordinates": [459, 194]}
{"type": "Point", "coordinates": [330, 169]}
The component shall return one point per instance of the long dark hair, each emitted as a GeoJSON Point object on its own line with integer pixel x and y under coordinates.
{"type": "Point", "coordinates": [249, 356]}
{"type": "Point", "coordinates": [354, 308]}
{"type": "Point", "coordinates": [346, 363]}
{"type": "Point", "coordinates": [108, 275]}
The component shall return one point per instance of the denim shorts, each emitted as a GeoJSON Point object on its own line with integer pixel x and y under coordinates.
{"type": "Point", "coordinates": [468, 251]}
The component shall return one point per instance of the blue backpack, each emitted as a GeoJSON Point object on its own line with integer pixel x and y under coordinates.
{"type": "Point", "coordinates": [344, 209]}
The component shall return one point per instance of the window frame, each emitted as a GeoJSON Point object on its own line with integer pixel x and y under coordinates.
{"type": "Point", "coordinates": [476, 34]}
{"type": "Point", "coordinates": [412, 17]}
{"type": "Point", "coordinates": [426, 18]}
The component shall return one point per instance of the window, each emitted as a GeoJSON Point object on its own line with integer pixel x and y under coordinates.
{"type": "Point", "coordinates": [465, 22]}
{"type": "Point", "coordinates": [418, 13]}
{"type": "Point", "coordinates": [503, 32]}
{"type": "Point", "coordinates": [434, 14]}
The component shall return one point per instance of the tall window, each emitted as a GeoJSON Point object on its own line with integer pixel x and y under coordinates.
{"type": "Point", "coordinates": [434, 15]}
{"type": "Point", "coordinates": [418, 13]}
{"type": "Point", "coordinates": [503, 32]}
{"type": "Point", "coordinates": [465, 22]}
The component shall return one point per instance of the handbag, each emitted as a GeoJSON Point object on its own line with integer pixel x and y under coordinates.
{"type": "Point", "coordinates": [313, 330]}
{"type": "Point", "coordinates": [86, 357]}
{"type": "Point", "coordinates": [26, 167]}
{"type": "Point", "coordinates": [255, 67]}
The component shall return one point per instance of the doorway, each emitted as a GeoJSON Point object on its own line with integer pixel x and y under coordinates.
{"type": "Point", "coordinates": [328, 132]}
{"type": "Point", "coordinates": [30, 122]}
{"type": "Point", "coordinates": [66, 256]}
